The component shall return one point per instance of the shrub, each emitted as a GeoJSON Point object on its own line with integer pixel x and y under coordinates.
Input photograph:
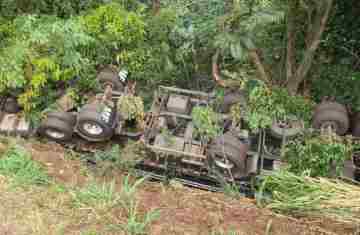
{"type": "Point", "coordinates": [206, 122]}
{"type": "Point", "coordinates": [267, 105]}
{"type": "Point", "coordinates": [318, 154]}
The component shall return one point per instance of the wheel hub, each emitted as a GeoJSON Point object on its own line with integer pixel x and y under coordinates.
{"type": "Point", "coordinates": [92, 128]}
{"type": "Point", "coordinates": [55, 134]}
{"type": "Point", "coordinates": [329, 126]}
{"type": "Point", "coordinates": [223, 163]}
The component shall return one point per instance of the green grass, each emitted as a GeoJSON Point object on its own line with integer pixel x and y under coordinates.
{"type": "Point", "coordinates": [17, 164]}
{"type": "Point", "coordinates": [98, 195]}
{"type": "Point", "coordinates": [128, 191]}
{"type": "Point", "coordinates": [136, 223]}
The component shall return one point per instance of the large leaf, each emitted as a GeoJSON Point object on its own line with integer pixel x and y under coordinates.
{"type": "Point", "coordinates": [237, 51]}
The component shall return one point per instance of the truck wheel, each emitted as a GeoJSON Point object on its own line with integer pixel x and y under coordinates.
{"type": "Point", "coordinates": [225, 156]}
{"type": "Point", "coordinates": [57, 130]}
{"type": "Point", "coordinates": [330, 105]}
{"type": "Point", "coordinates": [332, 115]}
{"type": "Point", "coordinates": [11, 105]}
{"type": "Point", "coordinates": [281, 130]}
{"type": "Point", "coordinates": [63, 116]}
{"type": "Point", "coordinates": [356, 125]}
{"type": "Point", "coordinates": [92, 127]}
{"type": "Point", "coordinates": [110, 78]}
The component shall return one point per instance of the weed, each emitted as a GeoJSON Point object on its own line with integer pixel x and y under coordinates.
{"type": "Point", "coordinates": [17, 163]}
{"type": "Point", "coordinates": [127, 193]}
{"type": "Point", "coordinates": [137, 224]}
{"type": "Point", "coordinates": [103, 196]}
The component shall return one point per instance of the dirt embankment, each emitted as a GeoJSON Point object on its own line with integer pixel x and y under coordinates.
{"type": "Point", "coordinates": [182, 210]}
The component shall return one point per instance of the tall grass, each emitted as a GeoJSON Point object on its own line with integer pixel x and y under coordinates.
{"type": "Point", "coordinates": [304, 195]}
{"type": "Point", "coordinates": [136, 223]}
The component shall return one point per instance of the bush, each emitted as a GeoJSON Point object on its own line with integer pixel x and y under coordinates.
{"type": "Point", "coordinates": [267, 105]}
{"type": "Point", "coordinates": [318, 154]}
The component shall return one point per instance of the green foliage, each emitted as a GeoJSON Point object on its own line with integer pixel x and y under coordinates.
{"type": "Point", "coordinates": [206, 122]}
{"type": "Point", "coordinates": [131, 108]}
{"type": "Point", "coordinates": [266, 106]}
{"type": "Point", "coordinates": [318, 154]}
{"type": "Point", "coordinates": [17, 163]}
{"type": "Point", "coordinates": [43, 51]}
{"type": "Point", "coordinates": [338, 81]}
{"type": "Point", "coordinates": [60, 8]}
{"type": "Point", "coordinates": [117, 31]}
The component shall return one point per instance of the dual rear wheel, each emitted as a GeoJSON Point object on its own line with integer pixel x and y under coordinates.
{"type": "Point", "coordinates": [93, 123]}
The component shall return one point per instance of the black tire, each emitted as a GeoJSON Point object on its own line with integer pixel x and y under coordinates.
{"type": "Point", "coordinates": [332, 114]}
{"type": "Point", "coordinates": [356, 125]}
{"type": "Point", "coordinates": [92, 117]}
{"type": "Point", "coordinates": [231, 99]}
{"type": "Point", "coordinates": [280, 132]}
{"type": "Point", "coordinates": [112, 78]}
{"type": "Point", "coordinates": [356, 159]}
{"type": "Point", "coordinates": [57, 130]}
{"type": "Point", "coordinates": [330, 105]}
{"type": "Point", "coordinates": [234, 150]}
{"type": "Point", "coordinates": [11, 105]}
{"type": "Point", "coordinates": [63, 116]}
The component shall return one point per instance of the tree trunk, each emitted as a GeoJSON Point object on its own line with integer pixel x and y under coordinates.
{"type": "Point", "coordinates": [255, 58]}
{"type": "Point", "coordinates": [309, 54]}
{"type": "Point", "coordinates": [290, 49]}
{"type": "Point", "coordinates": [215, 70]}
{"type": "Point", "coordinates": [156, 6]}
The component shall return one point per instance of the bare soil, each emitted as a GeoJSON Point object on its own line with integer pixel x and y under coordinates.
{"type": "Point", "coordinates": [48, 210]}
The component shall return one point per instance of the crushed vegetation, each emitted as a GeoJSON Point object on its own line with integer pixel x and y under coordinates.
{"type": "Point", "coordinates": [302, 195]}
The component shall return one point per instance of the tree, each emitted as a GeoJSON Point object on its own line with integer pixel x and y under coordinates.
{"type": "Point", "coordinates": [305, 20]}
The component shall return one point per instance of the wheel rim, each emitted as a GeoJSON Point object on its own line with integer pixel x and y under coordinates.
{"type": "Point", "coordinates": [329, 126]}
{"type": "Point", "coordinates": [92, 128]}
{"type": "Point", "coordinates": [55, 134]}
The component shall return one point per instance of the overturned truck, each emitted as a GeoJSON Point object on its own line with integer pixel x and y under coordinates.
{"type": "Point", "coordinates": [174, 147]}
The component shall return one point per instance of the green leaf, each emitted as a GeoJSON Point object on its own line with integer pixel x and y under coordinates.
{"type": "Point", "coordinates": [237, 51]}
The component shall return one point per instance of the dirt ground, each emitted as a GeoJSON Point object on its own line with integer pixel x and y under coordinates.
{"type": "Point", "coordinates": [49, 209]}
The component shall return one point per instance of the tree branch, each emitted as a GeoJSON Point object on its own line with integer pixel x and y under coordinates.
{"type": "Point", "coordinates": [255, 58]}
{"type": "Point", "coordinates": [215, 70]}
{"type": "Point", "coordinates": [290, 49]}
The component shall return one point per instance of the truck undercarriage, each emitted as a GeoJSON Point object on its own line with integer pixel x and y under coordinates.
{"type": "Point", "coordinates": [174, 148]}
